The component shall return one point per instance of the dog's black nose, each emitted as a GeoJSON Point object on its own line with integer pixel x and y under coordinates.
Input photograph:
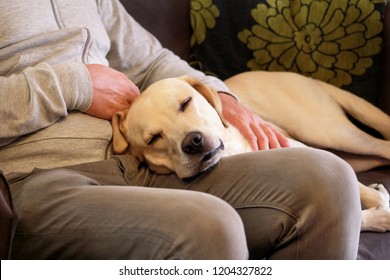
{"type": "Point", "coordinates": [192, 143]}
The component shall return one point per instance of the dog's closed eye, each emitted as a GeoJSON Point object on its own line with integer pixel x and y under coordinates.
{"type": "Point", "coordinates": [184, 104]}
{"type": "Point", "coordinates": [153, 139]}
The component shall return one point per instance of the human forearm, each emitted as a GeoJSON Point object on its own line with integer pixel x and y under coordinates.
{"type": "Point", "coordinates": [40, 95]}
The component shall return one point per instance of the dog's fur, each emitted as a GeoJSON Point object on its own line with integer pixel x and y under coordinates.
{"type": "Point", "coordinates": [176, 125]}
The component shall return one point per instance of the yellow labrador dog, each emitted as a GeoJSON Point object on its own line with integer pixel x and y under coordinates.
{"type": "Point", "coordinates": [176, 126]}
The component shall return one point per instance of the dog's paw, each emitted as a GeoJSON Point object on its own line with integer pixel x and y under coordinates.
{"type": "Point", "coordinates": [385, 196]}
{"type": "Point", "coordinates": [377, 197]}
{"type": "Point", "coordinates": [376, 219]}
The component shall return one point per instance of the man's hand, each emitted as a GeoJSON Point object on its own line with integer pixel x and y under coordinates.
{"type": "Point", "coordinates": [259, 134]}
{"type": "Point", "coordinates": [112, 91]}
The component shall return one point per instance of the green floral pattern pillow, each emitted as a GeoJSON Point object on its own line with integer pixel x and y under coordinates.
{"type": "Point", "coordinates": [335, 41]}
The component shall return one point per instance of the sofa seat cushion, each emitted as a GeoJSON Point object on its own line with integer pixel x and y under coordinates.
{"type": "Point", "coordinates": [374, 245]}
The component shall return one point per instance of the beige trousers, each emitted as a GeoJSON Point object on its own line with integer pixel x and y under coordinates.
{"type": "Point", "coordinates": [279, 204]}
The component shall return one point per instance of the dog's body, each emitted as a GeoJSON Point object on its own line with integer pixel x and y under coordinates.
{"type": "Point", "coordinates": [176, 125]}
{"type": "Point", "coordinates": [314, 113]}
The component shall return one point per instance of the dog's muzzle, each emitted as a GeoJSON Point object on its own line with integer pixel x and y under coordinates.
{"type": "Point", "coordinates": [203, 154]}
{"type": "Point", "coordinates": [195, 143]}
{"type": "Point", "coordinates": [209, 155]}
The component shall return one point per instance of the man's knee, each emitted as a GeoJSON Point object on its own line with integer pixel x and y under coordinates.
{"type": "Point", "coordinates": [329, 171]}
{"type": "Point", "coordinates": [214, 231]}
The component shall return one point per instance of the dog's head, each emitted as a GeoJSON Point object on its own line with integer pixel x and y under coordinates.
{"type": "Point", "coordinates": [175, 125]}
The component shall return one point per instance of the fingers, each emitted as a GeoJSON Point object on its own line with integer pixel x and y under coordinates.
{"type": "Point", "coordinates": [270, 141]}
{"type": "Point", "coordinates": [253, 134]}
{"type": "Point", "coordinates": [275, 138]}
{"type": "Point", "coordinates": [123, 89]}
{"type": "Point", "coordinates": [283, 141]}
{"type": "Point", "coordinates": [259, 134]}
{"type": "Point", "coordinates": [128, 92]}
{"type": "Point", "coordinates": [126, 87]}
{"type": "Point", "coordinates": [266, 137]}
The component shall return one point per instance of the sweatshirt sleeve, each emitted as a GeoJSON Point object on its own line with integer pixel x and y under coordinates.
{"type": "Point", "coordinates": [139, 55]}
{"type": "Point", "coordinates": [38, 96]}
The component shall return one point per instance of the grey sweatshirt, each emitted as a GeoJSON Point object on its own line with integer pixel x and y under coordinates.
{"type": "Point", "coordinates": [45, 86]}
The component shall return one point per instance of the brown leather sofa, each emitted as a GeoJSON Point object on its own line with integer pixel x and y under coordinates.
{"type": "Point", "coordinates": [169, 21]}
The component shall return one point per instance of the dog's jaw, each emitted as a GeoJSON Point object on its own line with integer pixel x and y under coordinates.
{"type": "Point", "coordinates": [201, 163]}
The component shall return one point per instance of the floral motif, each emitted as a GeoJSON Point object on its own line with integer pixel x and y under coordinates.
{"type": "Point", "coordinates": [324, 39]}
{"type": "Point", "coordinates": [203, 17]}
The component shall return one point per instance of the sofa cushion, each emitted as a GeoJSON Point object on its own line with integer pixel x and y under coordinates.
{"type": "Point", "coordinates": [375, 245]}
{"type": "Point", "coordinates": [336, 41]}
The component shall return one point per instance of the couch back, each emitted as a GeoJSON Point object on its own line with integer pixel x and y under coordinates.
{"type": "Point", "coordinates": [170, 21]}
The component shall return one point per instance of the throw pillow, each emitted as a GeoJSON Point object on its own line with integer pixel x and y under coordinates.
{"type": "Point", "coordinates": [336, 41]}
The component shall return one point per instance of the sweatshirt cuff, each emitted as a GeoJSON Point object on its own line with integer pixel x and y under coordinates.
{"type": "Point", "coordinates": [76, 85]}
{"type": "Point", "coordinates": [228, 93]}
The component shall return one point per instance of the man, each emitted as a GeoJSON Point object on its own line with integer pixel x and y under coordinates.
{"type": "Point", "coordinates": [66, 68]}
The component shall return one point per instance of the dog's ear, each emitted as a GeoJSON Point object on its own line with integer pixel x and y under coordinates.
{"type": "Point", "coordinates": [210, 94]}
{"type": "Point", "coordinates": [119, 131]}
